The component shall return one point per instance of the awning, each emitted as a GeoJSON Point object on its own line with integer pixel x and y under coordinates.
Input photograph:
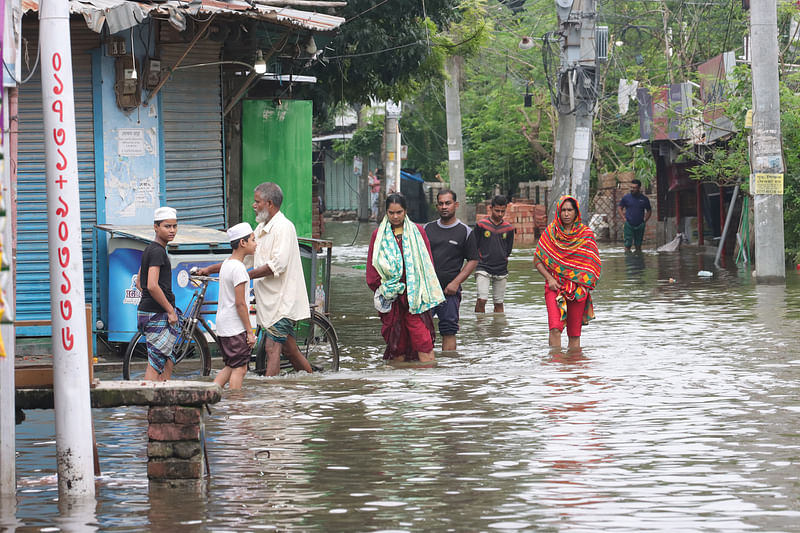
{"type": "Point", "coordinates": [123, 14]}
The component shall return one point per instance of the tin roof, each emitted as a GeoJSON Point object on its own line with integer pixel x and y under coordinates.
{"type": "Point", "coordinates": [123, 14]}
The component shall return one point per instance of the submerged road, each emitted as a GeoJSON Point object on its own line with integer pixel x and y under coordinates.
{"type": "Point", "coordinates": [680, 414]}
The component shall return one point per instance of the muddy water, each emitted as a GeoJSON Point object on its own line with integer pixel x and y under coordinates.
{"type": "Point", "coordinates": [680, 414]}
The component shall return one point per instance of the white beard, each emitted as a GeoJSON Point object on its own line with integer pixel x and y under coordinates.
{"type": "Point", "coordinates": [262, 217]}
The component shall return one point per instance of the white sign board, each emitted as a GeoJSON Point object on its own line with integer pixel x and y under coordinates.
{"type": "Point", "coordinates": [130, 142]}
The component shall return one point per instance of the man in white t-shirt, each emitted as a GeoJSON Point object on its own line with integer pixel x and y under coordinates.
{"type": "Point", "coordinates": [236, 338]}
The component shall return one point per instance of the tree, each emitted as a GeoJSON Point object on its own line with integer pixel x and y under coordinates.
{"type": "Point", "coordinates": [385, 50]}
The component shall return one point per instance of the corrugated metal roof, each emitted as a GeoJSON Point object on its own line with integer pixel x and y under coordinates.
{"type": "Point", "coordinates": [124, 14]}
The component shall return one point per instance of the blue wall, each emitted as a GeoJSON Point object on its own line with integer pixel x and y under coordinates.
{"type": "Point", "coordinates": [131, 170]}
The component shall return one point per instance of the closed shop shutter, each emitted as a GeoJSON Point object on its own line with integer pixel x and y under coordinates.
{"type": "Point", "coordinates": [32, 267]}
{"type": "Point", "coordinates": [191, 108]}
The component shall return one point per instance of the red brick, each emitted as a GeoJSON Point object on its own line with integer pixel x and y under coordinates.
{"type": "Point", "coordinates": [161, 414]}
{"type": "Point", "coordinates": [188, 415]}
{"type": "Point", "coordinates": [173, 431]}
{"type": "Point", "coordinates": [159, 449]}
{"type": "Point", "coordinates": [175, 468]}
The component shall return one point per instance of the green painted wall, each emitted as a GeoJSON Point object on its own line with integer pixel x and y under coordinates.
{"type": "Point", "coordinates": [276, 147]}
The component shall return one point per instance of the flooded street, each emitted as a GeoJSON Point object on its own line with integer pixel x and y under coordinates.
{"type": "Point", "coordinates": [680, 414]}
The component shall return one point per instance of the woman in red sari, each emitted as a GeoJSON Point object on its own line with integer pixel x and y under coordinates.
{"type": "Point", "coordinates": [400, 272]}
{"type": "Point", "coordinates": [569, 261]}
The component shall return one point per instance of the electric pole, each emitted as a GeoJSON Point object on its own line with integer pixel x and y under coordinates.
{"type": "Point", "coordinates": [391, 143]}
{"type": "Point", "coordinates": [767, 178]}
{"type": "Point", "coordinates": [577, 97]}
{"type": "Point", "coordinates": [74, 456]}
{"type": "Point", "coordinates": [364, 207]}
{"type": "Point", "coordinates": [455, 152]}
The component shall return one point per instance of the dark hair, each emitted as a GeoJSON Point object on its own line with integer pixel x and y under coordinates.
{"type": "Point", "coordinates": [499, 200]}
{"type": "Point", "coordinates": [636, 182]}
{"type": "Point", "coordinates": [446, 191]}
{"type": "Point", "coordinates": [238, 242]}
{"type": "Point", "coordinates": [572, 201]}
{"type": "Point", "coordinates": [396, 198]}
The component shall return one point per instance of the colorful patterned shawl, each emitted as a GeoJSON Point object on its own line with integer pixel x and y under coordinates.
{"type": "Point", "coordinates": [422, 286]}
{"type": "Point", "coordinates": [572, 258]}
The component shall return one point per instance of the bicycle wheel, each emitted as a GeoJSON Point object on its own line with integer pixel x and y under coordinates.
{"type": "Point", "coordinates": [318, 343]}
{"type": "Point", "coordinates": [196, 362]}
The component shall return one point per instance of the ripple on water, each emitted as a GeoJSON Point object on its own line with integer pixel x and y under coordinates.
{"type": "Point", "coordinates": [678, 415]}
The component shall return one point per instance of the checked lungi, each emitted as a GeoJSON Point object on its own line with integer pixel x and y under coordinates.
{"type": "Point", "coordinates": [160, 336]}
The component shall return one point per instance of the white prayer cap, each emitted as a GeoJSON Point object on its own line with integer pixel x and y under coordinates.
{"type": "Point", "coordinates": [239, 231]}
{"type": "Point", "coordinates": [164, 213]}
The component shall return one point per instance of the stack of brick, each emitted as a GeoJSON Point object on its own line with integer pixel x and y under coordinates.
{"type": "Point", "coordinates": [175, 450]}
{"type": "Point", "coordinates": [317, 220]}
{"type": "Point", "coordinates": [528, 219]}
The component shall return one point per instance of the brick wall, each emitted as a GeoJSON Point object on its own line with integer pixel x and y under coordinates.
{"type": "Point", "coordinates": [528, 219]}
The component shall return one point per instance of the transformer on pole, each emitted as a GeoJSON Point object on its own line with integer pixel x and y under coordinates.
{"type": "Point", "coordinates": [576, 101]}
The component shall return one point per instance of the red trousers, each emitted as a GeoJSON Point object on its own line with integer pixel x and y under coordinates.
{"type": "Point", "coordinates": [574, 313]}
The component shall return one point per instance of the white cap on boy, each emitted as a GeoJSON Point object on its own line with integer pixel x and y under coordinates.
{"type": "Point", "coordinates": [239, 231]}
{"type": "Point", "coordinates": [165, 213]}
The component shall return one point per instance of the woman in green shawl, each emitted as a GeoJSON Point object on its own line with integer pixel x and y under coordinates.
{"type": "Point", "coordinates": [400, 272]}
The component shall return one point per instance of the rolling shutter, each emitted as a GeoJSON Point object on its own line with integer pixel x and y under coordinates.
{"type": "Point", "coordinates": [32, 266]}
{"type": "Point", "coordinates": [191, 108]}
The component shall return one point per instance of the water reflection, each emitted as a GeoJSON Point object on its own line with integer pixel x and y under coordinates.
{"type": "Point", "coordinates": [679, 414]}
{"type": "Point", "coordinates": [77, 515]}
{"type": "Point", "coordinates": [8, 512]}
{"type": "Point", "coordinates": [634, 264]}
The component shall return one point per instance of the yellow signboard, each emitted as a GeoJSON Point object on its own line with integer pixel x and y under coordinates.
{"type": "Point", "coordinates": [768, 184]}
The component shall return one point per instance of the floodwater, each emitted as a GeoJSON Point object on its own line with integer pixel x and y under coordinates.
{"type": "Point", "coordinates": [680, 414]}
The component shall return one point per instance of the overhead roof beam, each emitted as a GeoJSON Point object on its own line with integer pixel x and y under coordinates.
{"type": "Point", "coordinates": [172, 68]}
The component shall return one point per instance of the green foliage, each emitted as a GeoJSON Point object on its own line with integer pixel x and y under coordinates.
{"type": "Point", "coordinates": [790, 130]}
{"type": "Point", "coordinates": [385, 50]}
{"type": "Point", "coordinates": [495, 150]}
{"type": "Point", "coordinates": [365, 141]}
{"type": "Point", "coordinates": [424, 130]}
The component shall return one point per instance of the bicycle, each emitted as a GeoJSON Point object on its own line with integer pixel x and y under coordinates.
{"type": "Point", "coordinates": [316, 339]}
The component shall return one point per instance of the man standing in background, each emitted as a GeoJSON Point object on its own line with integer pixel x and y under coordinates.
{"type": "Point", "coordinates": [495, 239]}
{"type": "Point", "coordinates": [455, 257]}
{"type": "Point", "coordinates": [374, 193]}
{"type": "Point", "coordinates": [635, 208]}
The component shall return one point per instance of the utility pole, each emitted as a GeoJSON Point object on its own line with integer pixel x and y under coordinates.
{"type": "Point", "coordinates": [391, 143]}
{"type": "Point", "coordinates": [74, 457]}
{"type": "Point", "coordinates": [577, 97]}
{"type": "Point", "coordinates": [363, 185]}
{"type": "Point", "coordinates": [767, 179]}
{"type": "Point", "coordinates": [455, 152]}
{"type": "Point", "coordinates": [8, 476]}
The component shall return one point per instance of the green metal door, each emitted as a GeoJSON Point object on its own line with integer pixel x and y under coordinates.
{"type": "Point", "coordinates": [276, 146]}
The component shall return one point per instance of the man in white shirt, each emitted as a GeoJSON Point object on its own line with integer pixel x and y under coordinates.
{"type": "Point", "coordinates": [279, 283]}
{"type": "Point", "coordinates": [280, 286]}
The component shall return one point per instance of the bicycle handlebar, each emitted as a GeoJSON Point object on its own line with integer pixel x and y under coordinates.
{"type": "Point", "coordinates": [196, 277]}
